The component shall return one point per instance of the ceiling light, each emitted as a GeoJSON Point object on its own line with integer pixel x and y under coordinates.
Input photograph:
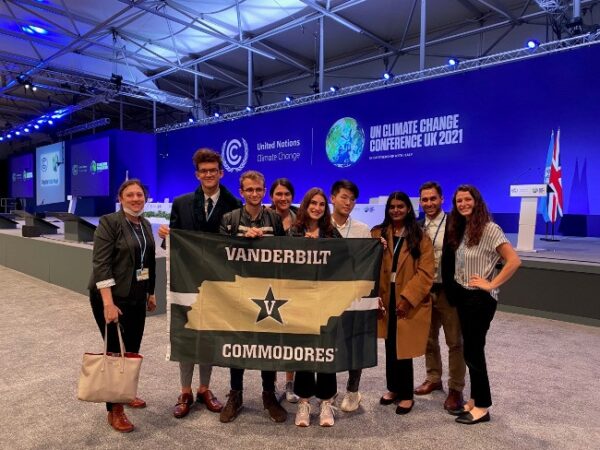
{"type": "Point", "coordinates": [533, 43]}
{"type": "Point", "coordinates": [289, 98]}
{"type": "Point", "coordinates": [388, 75]}
{"type": "Point", "coordinates": [17, 133]}
{"type": "Point", "coordinates": [453, 62]}
{"type": "Point", "coordinates": [51, 122]}
{"type": "Point", "coordinates": [334, 88]}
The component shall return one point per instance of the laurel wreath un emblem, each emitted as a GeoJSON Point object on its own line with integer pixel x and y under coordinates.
{"type": "Point", "coordinates": [234, 154]}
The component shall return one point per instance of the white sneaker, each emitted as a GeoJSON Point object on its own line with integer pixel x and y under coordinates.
{"type": "Point", "coordinates": [326, 418]}
{"type": "Point", "coordinates": [289, 393]}
{"type": "Point", "coordinates": [303, 414]}
{"type": "Point", "coordinates": [351, 401]}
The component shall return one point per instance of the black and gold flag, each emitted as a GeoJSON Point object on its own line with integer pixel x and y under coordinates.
{"type": "Point", "coordinates": [276, 303]}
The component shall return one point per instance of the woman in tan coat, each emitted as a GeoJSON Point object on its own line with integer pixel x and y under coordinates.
{"type": "Point", "coordinates": [406, 278]}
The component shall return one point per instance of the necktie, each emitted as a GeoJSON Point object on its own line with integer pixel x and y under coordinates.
{"type": "Point", "coordinates": [209, 206]}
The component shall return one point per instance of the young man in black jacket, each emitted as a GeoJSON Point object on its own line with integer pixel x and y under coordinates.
{"type": "Point", "coordinates": [253, 221]}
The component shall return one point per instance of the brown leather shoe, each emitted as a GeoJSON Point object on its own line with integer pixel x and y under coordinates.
{"type": "Point", "coordinates": [270, 403]}
{"type": "Point", "coordinates": [232, 408]}
{"type": "Point", "coordinates": [428, 387]}
{"type": "Point", "coordinates": [454, 401]}
{"type": "Point", "coordinates": [137, 403]}
{"type": "Point", "coordinates": [184, 402]}
{"type": "Point", "coordinates": [118, 420]}
{"type": "Point", "coordinates": [211, 402]}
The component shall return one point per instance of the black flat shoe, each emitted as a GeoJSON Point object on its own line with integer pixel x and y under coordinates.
{"type": "Point", "coordinates": [467, 419]}
{"type": "Point", "coordinates": [402, 410]}
{"type": "Point", "coordinates": [457, 412]}
{"type": "Point", "coordinates": [387, 401]}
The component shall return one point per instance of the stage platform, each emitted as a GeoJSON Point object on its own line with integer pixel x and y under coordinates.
{"type": "Point", "coordinates": [558, 281]}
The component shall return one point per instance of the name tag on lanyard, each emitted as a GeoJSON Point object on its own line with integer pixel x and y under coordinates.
{"type": "Point", "coordinates": [142, 274]}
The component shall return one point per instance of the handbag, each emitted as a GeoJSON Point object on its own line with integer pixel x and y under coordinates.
{"type": "Point", "coordinates": [107, 377]}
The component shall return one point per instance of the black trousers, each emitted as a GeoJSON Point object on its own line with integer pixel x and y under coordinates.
{"type": "Point", "coordinates": [398, 372]}
{"type": "Point", "coordinates": [353, 380]}
{"type": "Point", "coordinates": [237, 379]}
{"type": "Point", "coordinates": [321, 385]}
{"type": "Point", "coordinates": [132, 323]}
{"type": "Point", "coordinates": [476, 309]}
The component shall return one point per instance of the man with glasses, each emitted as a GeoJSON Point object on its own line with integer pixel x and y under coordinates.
{"type": "Point", "coordinates": [344, 194]}
{"type": "Point", "coordinates": [200, 210]}
{"type": "Point", "coordinates": [253, 221]}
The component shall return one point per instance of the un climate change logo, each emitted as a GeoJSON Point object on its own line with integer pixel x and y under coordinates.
{"type": "Point", "coordinates": [345, 142]}
{"type": "Point", "coordinates": [234, 154]}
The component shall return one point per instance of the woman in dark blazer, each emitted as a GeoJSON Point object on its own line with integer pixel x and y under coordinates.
{"type": "Point", "coordinates": [123, 278]}
{"type": "Point", "coordinates": [407, 273]}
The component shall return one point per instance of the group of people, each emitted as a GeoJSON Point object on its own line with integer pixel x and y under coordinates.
{"type": "Point", "coordinates": [442, 271]}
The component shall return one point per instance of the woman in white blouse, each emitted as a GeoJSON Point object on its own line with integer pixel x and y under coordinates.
{"type": "Point", "coordinates": [479, 245]}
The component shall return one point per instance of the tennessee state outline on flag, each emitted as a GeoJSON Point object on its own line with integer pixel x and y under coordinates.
{"type": "Point", "coordinates": [276, 303]}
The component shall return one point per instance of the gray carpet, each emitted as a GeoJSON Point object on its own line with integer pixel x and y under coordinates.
{"type": "Point", "coordinates": [544, 377]}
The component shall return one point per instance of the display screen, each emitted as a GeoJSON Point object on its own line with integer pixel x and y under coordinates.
{"type": "Point", "coordinates": [50, 174]}
{"type": "Point", "coordinates": [90, 168]}
{"type": "Point", "coordinates": [21, 176]}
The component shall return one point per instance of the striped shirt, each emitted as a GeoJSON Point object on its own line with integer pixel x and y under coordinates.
{"type": "Point", "coordinates": [480, 259]}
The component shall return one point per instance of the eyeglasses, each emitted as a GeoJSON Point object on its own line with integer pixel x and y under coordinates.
{"type": "Point", "coordinates": [208, 171]}
{"type": "Point", "coordinates": [254, 190]}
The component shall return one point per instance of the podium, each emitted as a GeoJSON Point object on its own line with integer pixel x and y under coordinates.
{"type": "Point", "coordinates": [7, 221]}
{"type": "Point", "coordinates": [34, 226]}
{"type": "Point", "coordinates": [529, 194]}
{"type": "Point", "coordinates": [76, 229]}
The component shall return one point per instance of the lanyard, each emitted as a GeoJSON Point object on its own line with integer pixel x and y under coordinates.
{"type": "Point", "coordinates": [142, 249]}
{"type": "Point", "coordinates": [348, 225]}
{"type": "Point", "coordinates": [438, 229]}
{"type": "Point", "coordinates": [397, 244]}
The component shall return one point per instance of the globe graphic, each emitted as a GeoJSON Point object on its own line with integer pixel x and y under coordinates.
{"type": "Point", "coordinates": [345, 142]}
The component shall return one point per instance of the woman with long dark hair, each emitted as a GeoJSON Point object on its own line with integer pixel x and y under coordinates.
{"type": "Point", "coordinates": [479, 245]}
{"type": "Point", "coordinates": [122, 282]}
{"type": "Point", "coordinates": [314, 221]}
{"type": "Point", "coordinates": [407, 273]}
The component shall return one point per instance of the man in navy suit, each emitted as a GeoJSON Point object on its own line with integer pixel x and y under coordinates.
{"type": "Point", "coordinates": [200, 210]}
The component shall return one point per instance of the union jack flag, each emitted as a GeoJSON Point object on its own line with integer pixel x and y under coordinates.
{"type": "Point", "coordinates": [552, 206]}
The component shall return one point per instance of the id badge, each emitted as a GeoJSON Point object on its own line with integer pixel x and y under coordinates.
{"type": "Point", "coordinates": [142, 274]}
{"type": "Point", "coordinates": [393, 277]}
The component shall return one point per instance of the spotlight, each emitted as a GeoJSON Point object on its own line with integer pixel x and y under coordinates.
{"type": "Point", "coordinates": [17, 133]}
{"type": "Point", "coordinates": [38, 30]}
{"type": "Point", "coordinates": [36, 126]}
{"type": "Point", "coordinates": [533, 43]}
{"type": "Point", "coordinates": [388, 75]}
{"type": "Point", "coordinates": [334, 88]}
{"type": "Point", "coordinates": [117, 80]}
{"type": "Point", "coordinates": [289, 98]}
{"type": "Point", "coordinates": [216, 114]}
{"type": "Point", "coordinates": [27, 84]}
{"type": "Point", "coordinates": [34, 88]}
{"type": "Point", "coordinates": [1, 138]}
{"type": "Point", "coordinates": [8, 136]}
{"type": "Point", "coordinates": [50, 122]}
{"type": "Point", "coordinates": [249, 108]}
{"type": "Point", "coordinates": [26, 130]}
{"type": "Point", "coordinates": [453, 62]}
{"type": "Point", "coordinates": [191, 120]}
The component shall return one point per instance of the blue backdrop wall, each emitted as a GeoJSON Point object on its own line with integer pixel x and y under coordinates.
{"type": "Point", "coordinates": [489, 127]}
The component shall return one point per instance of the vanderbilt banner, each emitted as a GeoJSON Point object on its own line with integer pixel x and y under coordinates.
{"type": "Point", "coordinates": [276, 303]}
